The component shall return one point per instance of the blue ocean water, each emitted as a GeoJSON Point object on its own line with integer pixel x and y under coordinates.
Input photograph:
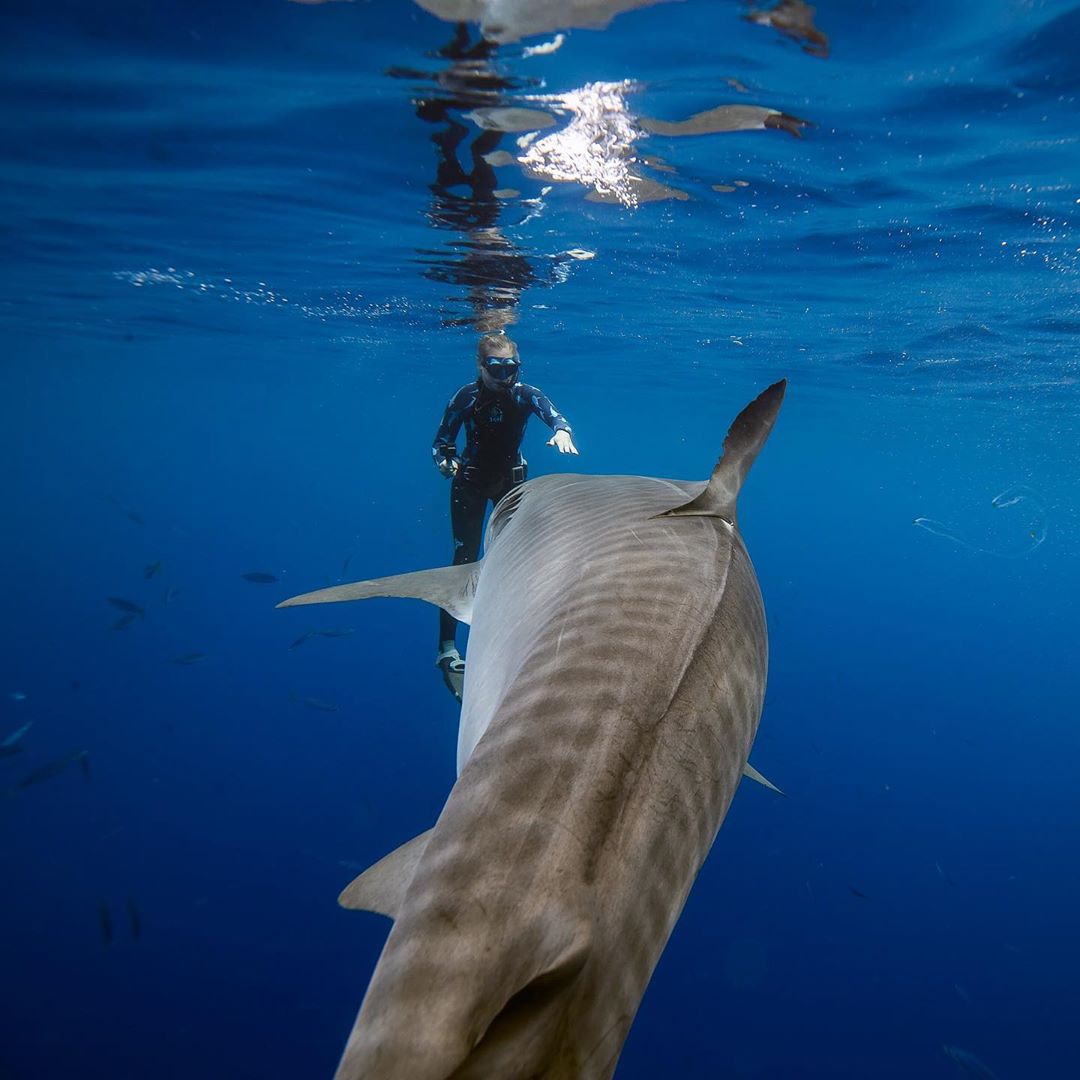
{"type": "Point", "coordinates": [246, 251]}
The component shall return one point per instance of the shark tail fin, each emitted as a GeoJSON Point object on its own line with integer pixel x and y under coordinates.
{"type": "Point", "coordinates": [451, 588]}
{"type": "Point", "coordinates": [382, 886]}
{"type": "Point", "coordinates": [744, 440]}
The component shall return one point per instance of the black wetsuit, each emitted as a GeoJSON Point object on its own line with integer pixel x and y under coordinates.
{"type": "Point", "coordinates": [491, 463]}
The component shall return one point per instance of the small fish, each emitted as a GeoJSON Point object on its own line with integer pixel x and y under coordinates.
{"type": "Point", "coordinates": [302, 638]}
{"type": "Point", "coordinates": [105, 923]}
{"type": "Point", "coordinates": [189, 658]}
{"type": "Point", "coordinates": [126, 605]}
{"type": "Point", "coordinates": [335, 632]}
{"type": "Point", "coordinates": [259, 578]}
{"type": "Point", "coordinates": [320, 705]}
{"type": "Point", "coordinates": [52, 768]}
{"type": "Point", "coordinates": [123, 622]}
{"type": "Point", "coordinates": [151, 569]}
{"type": "Point", "coordinates": [134, 922]}
{"type": "Point", "coordinates": [943, 875]}
{"type": "Point", "coordinates": [17, 695]}
{"type": "Point", "coordinates": [345, 564]}
{"type": "Point", "coordinates": [13, 743]}
{"type": "Point", "coordinates": [968, 1062]}
{"type": "Point", "coordinates": [132, 516]}
{"type": "Point", "coordinates": [170, 594]}
{"type": "Point", "coordinates": [855, 892]}
{"type": "Point", "coordinates": [84, 764]}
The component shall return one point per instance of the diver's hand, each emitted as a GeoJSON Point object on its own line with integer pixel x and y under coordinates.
{"type": "Point", "coordinates": [448, 466]}
{"type": "Point", "coordinates": [562, 440]}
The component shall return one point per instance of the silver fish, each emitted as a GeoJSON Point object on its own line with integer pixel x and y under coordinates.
{"type": "Point", "coordinates": [55, 768]}
{"type": "Point", "coordinates": [13, 743]}
{"type": "Point", "coordinates": [127, 605]}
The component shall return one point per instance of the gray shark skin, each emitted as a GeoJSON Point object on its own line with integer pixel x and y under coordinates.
{"type": "Point", "coordinates": [614, 684]}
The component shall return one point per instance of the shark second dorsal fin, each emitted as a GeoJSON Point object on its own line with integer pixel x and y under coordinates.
{"type": "Point", "coordinates": [752, 774]}
{"type": "Point", "coordinates": [381, 887]}
{"type": "Point", "coordinates": [745, 438]}
{"type": "Point", "coordinates": [451, 588]}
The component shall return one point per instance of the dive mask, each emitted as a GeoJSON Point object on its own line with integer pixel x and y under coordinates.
{"type": "Point", "coordinates": [502, 368]}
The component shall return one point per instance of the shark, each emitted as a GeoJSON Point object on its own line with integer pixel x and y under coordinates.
{"type": "Point", "coordinates": [614, 685]}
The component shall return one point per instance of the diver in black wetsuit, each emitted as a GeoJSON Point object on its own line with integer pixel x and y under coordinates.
{"type": "Point", "coordinates": [494, 410]}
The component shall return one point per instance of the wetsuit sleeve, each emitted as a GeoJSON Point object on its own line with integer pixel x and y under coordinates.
{"type": "Point", "coordinates": [541, 405]}
{"type": "Point", "coordinates": [445, 444]}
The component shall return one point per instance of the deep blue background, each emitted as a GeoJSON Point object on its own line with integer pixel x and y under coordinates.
{"type": "Point", "coordinates": [265, 401]}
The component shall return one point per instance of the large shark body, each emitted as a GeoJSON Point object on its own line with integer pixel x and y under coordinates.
{"type": "Point", "coordinates": [615, 678]}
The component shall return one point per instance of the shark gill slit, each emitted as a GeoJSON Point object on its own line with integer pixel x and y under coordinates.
{"type": "Point", "coordinates": [544, 993]}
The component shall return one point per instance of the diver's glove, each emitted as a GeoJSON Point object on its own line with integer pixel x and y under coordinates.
{"type": "Point", "coordinates": [562, 440]}
{"type": "Point", "coordinates": [448, 466]}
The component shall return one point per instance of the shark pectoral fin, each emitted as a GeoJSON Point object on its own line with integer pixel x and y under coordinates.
{"type": "Point", "coordinates": [381, 887]}
{"type": "Point", "coordinates": [752, 773]}
{"type": "Point", "coordinates": [744, 440]}
{"type": "Point", "coordinates": [451, 588]}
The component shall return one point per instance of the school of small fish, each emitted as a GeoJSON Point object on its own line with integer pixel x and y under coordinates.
{"type": "Point", "coordinates": [128, 613]}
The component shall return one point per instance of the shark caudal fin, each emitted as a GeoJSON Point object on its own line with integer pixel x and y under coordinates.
{"type": "Point", "coordinates": [382, 886]}
{"type": "Point", "coordinates": [451, 588]}
{"type": "Point", "coordinates": [745, 438]}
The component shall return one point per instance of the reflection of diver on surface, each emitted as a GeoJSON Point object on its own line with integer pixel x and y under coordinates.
{"type": "Point", "coordinates": [490, 267]}
{"type": "Point", "coordinates": [494, 410]}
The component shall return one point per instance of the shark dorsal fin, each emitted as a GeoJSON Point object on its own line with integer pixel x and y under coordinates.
{"type": "Point", "coordinates": [745, 438]}
{"type": "Point", "coordinates": [752, 774]}
{"type": "Point", "coordinates": [451, 588]}
{"type": "Point", "coordinates": [381, 887]}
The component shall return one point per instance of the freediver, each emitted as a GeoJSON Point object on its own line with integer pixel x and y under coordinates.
{"type": "Point", "coordinates": [494, 410]}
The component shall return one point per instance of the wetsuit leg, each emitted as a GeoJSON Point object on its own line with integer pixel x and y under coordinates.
{"type": "Point", "coordinates": [506, 483]}
{"type": "Point", "coordinates": [468, 501]}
